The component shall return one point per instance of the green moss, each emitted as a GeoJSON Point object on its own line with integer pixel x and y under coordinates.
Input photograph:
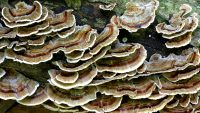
{"type": "Point", "coordinates": [196, 38]}
{"type": "Point", "coordinates": [75, 4]}
{"type": "Point", "coordinates": [100, 23]}
{"type": "Point", "coordinates": [53, 4]}
{"type": "Point", "coordinates": [84, 20]}
{"type": "Point", "coordinates": [3, 3]}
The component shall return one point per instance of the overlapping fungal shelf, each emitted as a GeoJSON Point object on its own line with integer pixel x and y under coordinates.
{"type": "Point", "coordinates": [98, 72]}
{"type": "Point", "coordinates": [180, 28]}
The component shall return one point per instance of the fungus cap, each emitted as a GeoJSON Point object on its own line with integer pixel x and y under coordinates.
{"type": "Point", "coordinates": [138, 15]}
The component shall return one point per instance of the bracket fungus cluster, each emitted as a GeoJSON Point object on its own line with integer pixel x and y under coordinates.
{"type": "Point", "coordinates": [97, 72]}
{"type": "Point", "coordinates": [137, 15]}
{"type": "Point", "coordinates": [180, 28]}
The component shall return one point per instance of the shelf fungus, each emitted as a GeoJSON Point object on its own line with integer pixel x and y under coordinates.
{"type": "Point", "coordinates": [183, 101]}
{"type": "Point", "coordinates": [180, 28]}
{"type": "Point", "coordinates": [135, 89]}
{"type": "Point", "coordinates": [99, 48]}
{"type": "Point", "coordinates": [121, 49]}
{"type": "Point", "coordinates": [73, 97]}
{"type": "Point", "coordinates": [73, 67]}
{"type": "Point", "coordinates": [123, 64]}
{"type": "Point", "coordinates": [188, 86]}
{"type": "Point", "coordinates": [96, 70]}
{"type": "Point", "coordinates": [137, 15]}
{"type": "Point", "coordinates": [39, 97]}
{"type": "Point", "coordinates": [173, 62]}
{"type": "Point", "coordinates": [102, 77]}
{"type": "Point", "coordinates": [6, 32]}
{"type": "Point", "coordinates": [179, 109]}
{"type": "Point", "coordinates": [60, 108]}
{"type": "Point", "coordinates": [103, 104]}
{"type": "Point", "coordinates": [75, 55]}
{"type": "Point", "coordinates": [105, 38]}
{"type": "Point", "coordinates": [175, 76]}
{"type": "Point", "coordinates": [36, 41]}
{"type": "Point", "coordinates": [62, 76]}
{"type": "Point", "coordinates": [81, 78]}
{"type": "Point", "coordinates": [2, 72]}
{"type": "Point", "coordinates": [2, 57]}
{"type": "Point", "coordinates": [83, 38]}
{"type": "Point", "coordinates": [108, 7]}
{"type": "Point", "coordinates": [179, 41]}
{"type": "Point", "coordinates": [190, 108]}
{"type": "Point", "coordinates": [63, 24]}
{"type": "Point", "coordinates": [24, 14]}
{"type": "Point", "coordinates": [32, 29]}
{"type": "Point", "coordinates": [155, 95]}
{"type": "Point", "coordinates": [16, 86]}
{"type": "Point", "coordinates": [143, 106]}
{"type": "Point", "coordinates": [29, 20]}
